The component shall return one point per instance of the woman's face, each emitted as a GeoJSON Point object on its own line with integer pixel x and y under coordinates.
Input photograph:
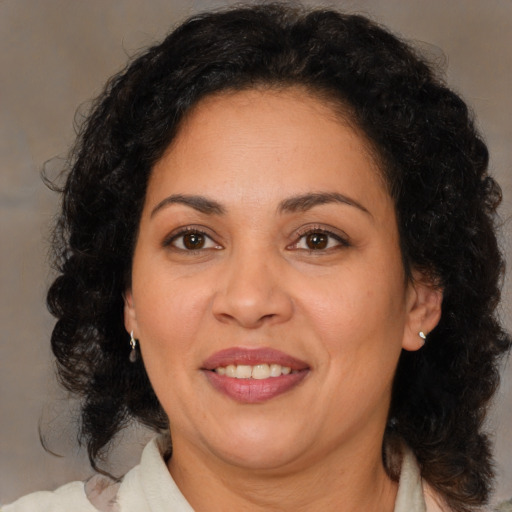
{"type": "Point", "coordinates": [268, 293]}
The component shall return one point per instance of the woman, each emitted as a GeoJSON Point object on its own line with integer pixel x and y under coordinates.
{"type": "Point", "coordinates": [290, 215]}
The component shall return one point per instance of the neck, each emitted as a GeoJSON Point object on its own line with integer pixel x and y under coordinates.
{"type": "Point", "coordinates": [352, 482]}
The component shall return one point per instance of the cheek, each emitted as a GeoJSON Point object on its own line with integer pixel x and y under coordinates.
{"type": "Point", "coordinates": [360, 322]}
{"type": "Point", "coordinates": [169, 314]}
{"type": "Point", "coordinates": [169, 319]}
{"type": "Point", "coordinates": [351, 304]}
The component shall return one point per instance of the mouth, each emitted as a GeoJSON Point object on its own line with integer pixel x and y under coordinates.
{"type": "Point", "coordinates": [254, 375]}
{"type": "Point", "coordinates": [258, 371]}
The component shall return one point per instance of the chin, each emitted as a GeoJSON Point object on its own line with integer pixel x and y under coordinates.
{"type": "Point", "coordinates": [260, 458]}
{"type": "Point", "coordinates": [260, 448]}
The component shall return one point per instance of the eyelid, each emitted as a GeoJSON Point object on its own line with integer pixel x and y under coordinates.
{"type": "Point", "coordinates": [336, 234]}
{"type": "Point", "coordinates": [184, 230]}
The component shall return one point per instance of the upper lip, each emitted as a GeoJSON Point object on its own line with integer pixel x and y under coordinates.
{"type": "Point", "coordinates": [251, 357]}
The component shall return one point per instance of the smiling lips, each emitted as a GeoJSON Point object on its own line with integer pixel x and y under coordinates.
{"type": "Point", "coordinates": [253, 375]}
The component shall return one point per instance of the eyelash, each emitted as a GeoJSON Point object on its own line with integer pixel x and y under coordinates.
{"type": "Point", "coordinates": [173, 237]}
{"type": "Point", "coordinates": [342, 241]}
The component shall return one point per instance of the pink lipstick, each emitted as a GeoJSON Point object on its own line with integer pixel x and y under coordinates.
{"type": "Point", "coordinates": [254, 375]}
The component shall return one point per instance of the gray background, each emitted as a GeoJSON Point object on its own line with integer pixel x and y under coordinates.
{"type": "Point", "coordinates": [54, 56]}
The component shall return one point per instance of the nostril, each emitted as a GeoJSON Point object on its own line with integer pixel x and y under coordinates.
{"type": "Point", "coordinates": [251, 298]}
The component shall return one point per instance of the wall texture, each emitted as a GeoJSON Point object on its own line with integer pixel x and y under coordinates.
{"type": "Point", "coordinates": [54, 56]}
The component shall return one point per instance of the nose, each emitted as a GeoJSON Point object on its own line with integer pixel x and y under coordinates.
{"type": "Point", "coordinates": [252, 292]}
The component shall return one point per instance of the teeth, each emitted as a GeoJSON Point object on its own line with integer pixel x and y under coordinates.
{"type": "Point", "coordinates": [258, 371]}
{"type": "Point", "coordinates": [243, 371]}
{"type": "Point", "coordinates": [275, 370]}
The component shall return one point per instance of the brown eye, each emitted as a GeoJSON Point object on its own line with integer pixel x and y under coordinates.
{"type": "Point", "coordinates": [317, 241]}
{"type": "Point", "coordinates": [193, 241]}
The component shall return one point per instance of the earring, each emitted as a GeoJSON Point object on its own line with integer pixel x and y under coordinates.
{"type": "Point", "coordinates": [423, 336]}
{"type": "Point", "coordinates": [133, 352]}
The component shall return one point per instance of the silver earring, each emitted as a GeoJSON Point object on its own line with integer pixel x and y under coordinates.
{"type": "Point", "coordinates": [423, 336]}
{"type": "Point", "coordinates": [133, 352]}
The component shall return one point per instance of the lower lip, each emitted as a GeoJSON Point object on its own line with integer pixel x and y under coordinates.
{"type": "Point", "coordinates": [254, 391]}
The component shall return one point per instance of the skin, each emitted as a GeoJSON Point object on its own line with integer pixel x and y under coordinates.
{"type": "Point", "coordinates": [346, 309]}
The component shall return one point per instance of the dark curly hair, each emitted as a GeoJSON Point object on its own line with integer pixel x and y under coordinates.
{"type": "Point", "coordinates": [434, 163]}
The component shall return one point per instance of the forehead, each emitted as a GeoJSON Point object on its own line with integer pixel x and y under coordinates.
{"type": "Point", "coordinates": [268, 108]}
{"type": "Point", "coordinates": [263, 142]}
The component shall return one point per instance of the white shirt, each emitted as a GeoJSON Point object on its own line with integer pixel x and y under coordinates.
{"type": "Point", "coordinates": [149, 487]}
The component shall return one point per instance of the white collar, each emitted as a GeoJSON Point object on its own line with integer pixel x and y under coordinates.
{"type": "Point", "coordinates": [150, 487]}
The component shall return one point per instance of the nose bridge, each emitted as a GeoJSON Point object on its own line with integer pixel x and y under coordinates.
{"type": "Point", "coordinates": [251, 290]}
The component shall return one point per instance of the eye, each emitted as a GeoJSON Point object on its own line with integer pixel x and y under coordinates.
{"type": "Point", "coordinates": [319, 240]}
{"type": "Point", "coordinates": [191, 240]}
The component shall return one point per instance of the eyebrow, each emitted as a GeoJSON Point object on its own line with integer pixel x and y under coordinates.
{"type": "Point", "coordinates": [305, 202]}
{"type": "Point", "coordinates": [199, 203]}
{"type": "Point", "coordinates": [300, 203]}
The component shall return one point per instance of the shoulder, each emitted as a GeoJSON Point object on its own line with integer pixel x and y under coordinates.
{"type": "Point", "coordinates": [433, 501]}
{"type": "Point", "coordinates": [506, 506]}
{"type": "Point", "coordinates": [414, 494]}
{"type": "Point", "coordinates": [98, 494]}
{"type": "Point", "coordinates": [68, 497]}
{"type": "Point", "coordinates": [148, 486]}
{"type": "Point", "coordinates": [412, 486]}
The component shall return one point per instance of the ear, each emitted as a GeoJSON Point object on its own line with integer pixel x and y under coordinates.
{"type": "Point", "coordinates": [130, 318]}
{"type": "Point", "coordinates": [424, 300]}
